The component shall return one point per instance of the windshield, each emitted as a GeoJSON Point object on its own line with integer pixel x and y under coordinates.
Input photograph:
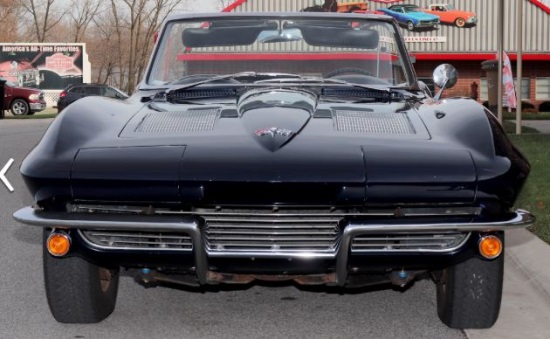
{"type": "Point", "coordinates": [410, 9]}
{"type": "Point", "coordinates": [9, 83]}
{"type": "Point", "coordinates": [361, 51]}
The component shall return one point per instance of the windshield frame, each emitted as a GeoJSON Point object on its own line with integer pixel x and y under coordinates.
{"type": "Point", "coordinates": [146, 84]}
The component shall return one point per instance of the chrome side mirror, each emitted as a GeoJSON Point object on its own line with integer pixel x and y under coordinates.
{"type": "Point", "coordinates": [445, 76]}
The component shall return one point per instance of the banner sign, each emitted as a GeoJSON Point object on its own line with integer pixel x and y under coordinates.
{"type": "Point", "coordinates": [44, 66]}
{"type": "Point", "coordinates": [508, 82]}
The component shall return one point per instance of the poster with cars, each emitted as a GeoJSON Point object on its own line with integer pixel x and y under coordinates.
{"type": "Point", "coordinates": [462, 26]}
{"type": "Point", "coordinates": [44, 66]}
{"type": "Point", "coordinates": [421, 16]}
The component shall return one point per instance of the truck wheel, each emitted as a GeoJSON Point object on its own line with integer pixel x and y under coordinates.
{"type": "Point", "coordinates": [410, 26]}
{"type": "Point", "coordinates": [19, 107]}
{"type": "Point", "coordinates": [77, 290]}
{"type": "Point", "coordinates": [469, 294]}
{"type": "Point", "coordinates": [460, 22]}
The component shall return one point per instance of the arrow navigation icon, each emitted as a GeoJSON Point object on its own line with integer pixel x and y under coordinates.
{"type": "Point", "coordinates": [3, 172]}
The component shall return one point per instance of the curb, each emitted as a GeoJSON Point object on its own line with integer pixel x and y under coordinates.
{"type": "Point", "coordinates": [530, 256]}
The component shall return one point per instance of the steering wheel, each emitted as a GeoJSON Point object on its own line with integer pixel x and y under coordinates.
{"type": "Point", "coordinates": [348, 70]}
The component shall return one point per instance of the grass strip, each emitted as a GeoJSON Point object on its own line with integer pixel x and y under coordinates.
{"type": "Point", "coordinates": [535, 196]}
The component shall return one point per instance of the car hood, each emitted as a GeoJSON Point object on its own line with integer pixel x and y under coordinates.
{"type": "Point", "coordinates": [30, 90]}
{"type": "Point", "coordinates": [421, 16]}
{"type": "Point", "coordinates": [274, 146]}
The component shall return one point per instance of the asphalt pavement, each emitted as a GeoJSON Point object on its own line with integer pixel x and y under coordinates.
{"type": "Point", "coordinates": [252, 312]}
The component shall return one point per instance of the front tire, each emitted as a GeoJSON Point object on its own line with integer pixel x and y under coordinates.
{"type": "Point", "coordinates": [19, 107]}
{"type": "Point", "coordinates": [460, 22]}
{"type": "Point", "coordinates": [469, 294]}
{"type": "Point", "coordinates": [410, 26]}
{"type": "Point", "coordinates": [77, 290]}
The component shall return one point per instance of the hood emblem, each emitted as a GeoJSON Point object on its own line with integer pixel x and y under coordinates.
{"type": "Point", "coordinates": [273, 132]}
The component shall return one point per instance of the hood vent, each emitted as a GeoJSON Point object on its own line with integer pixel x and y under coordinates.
{"type": "Point", "coordinates": [372, 122]}
{"type": "Point", "coordinates": [177, 122]}
{"type": "Point", "coordinates": [189, 94]}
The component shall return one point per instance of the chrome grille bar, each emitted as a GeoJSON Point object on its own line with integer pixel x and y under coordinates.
{"type": "Point", "coordinates": [436, 242]}
{"type": "Point", "coordinates": [276, 233]}
{"type": "Point", "coordinates": [137, 240]}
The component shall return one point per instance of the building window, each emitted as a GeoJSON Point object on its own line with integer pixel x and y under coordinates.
{"type": "Point", "coordinates": [525, 85]}
{"type": "Point", "coordinates": [542, 91]}
{"type": "Point", "coordinates": [483, 92]}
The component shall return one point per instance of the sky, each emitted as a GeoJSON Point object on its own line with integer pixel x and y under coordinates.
{"type": "Point", "coordinates": [203, 6]}
{"type": "Point", "coordinates": [192, 5]}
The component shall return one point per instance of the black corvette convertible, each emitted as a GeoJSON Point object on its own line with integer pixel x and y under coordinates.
{"type": "Point", "coordinates": [281, 147]}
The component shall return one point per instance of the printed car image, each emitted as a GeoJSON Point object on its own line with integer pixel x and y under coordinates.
{"type": "Point", "coordinates": [297, 148]}
{"type": "Point", "coordinates": [411, 16]}
{"type": "Point", "coordinates": [449, 15]}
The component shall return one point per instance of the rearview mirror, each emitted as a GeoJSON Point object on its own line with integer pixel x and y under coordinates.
{"type": "Point", "coordinates": [226, 33]}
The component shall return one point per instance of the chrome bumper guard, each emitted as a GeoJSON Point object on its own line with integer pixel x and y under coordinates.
{"type": "Point", "coordinates": [189, 225]}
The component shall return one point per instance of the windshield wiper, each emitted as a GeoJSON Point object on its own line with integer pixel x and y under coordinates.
{"type": "Point", "coordinates": [209, 80]}
{"type": "Point", "coordinates": [319, 80]}
{"type": "Point", "coordinates": [247, 74]}
{"type": "Point", "coordinates": [282, 78]}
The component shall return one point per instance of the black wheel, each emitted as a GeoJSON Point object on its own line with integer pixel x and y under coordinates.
{"type": "Point", "coordinates": [469, 294]}
{"type": "Point", "coordinates": [2, 113]}
{"type": "Point", "coordinates": [77, 290]}
{"type": "Point", "coordinates": [349, 70]}
{"type": "Point", "coordinates": [410, 26]}
{"type": "Point", "coordinates": [19, 107]}
{"type": "Point", "coordinates": [460, 22]}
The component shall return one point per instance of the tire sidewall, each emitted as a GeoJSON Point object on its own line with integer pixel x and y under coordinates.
{"type": "Point", "coordinates": [23, 104]}
{"type": "Point", "coordinates": [74, 290]}
{"type": "Point", "coordinates": [469, 293]}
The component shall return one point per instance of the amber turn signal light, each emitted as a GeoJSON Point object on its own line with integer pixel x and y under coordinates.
{"type": "Point", "coordinates": [58, 244]}
{"type": "Point", "coordinates": [490, 247]}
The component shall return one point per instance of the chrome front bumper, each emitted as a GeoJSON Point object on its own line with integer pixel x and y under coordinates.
{"type": "Point", "coordinates": [189, 225]}
{"type": "Point", "coordinates": [37, 106]}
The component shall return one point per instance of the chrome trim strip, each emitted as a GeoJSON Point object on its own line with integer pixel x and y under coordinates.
{"type": "Point", "coordinates": [521, 219]}
{"type": "Point", "coordinates": [426, 250]}
{"type": "Point", "coordinates": [86, 238]}
{"type": "Point", "coordinates": [264, 214]}
{"type": "Point", "coordinates": [30, 216]}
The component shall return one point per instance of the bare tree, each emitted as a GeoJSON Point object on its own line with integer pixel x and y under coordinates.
{"type": "Point", "coordinates": [45, 16]}
{"type": "Point", "coordinates": [136, 22]}
{"type": "Point", "coordinates": [82, 13]}
{"type": "Point", "coordinates": [9, 13]}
